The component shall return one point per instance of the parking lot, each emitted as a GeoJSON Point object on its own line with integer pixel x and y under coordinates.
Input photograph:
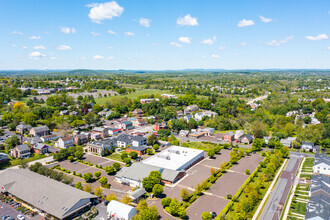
{"type": "Point", "coordinates": [206, 203]}
{"type": "Point", "coordinates": [98, 160]}
{"type": "Point", "coordinates": [224, 156]}
{"type": "Point", "coordinates": [247, 162]}
{"type": "Point", "coordinates": [8, 210]}
{"type": "Point", "coordinates": [195, 175]}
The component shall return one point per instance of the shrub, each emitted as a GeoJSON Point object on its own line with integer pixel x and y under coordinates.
{"type": "Point", "coordinates": [166, 202]}
{"type": "Point", "coordinates": [247, 172]}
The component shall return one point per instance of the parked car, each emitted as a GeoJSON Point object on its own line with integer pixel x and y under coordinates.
{"type": "Point", "coordinates": [5, 217]}
{"type": "Point", "coordinates": [213, 214]}
{"type": "Point", "coordinates": [20, 217]}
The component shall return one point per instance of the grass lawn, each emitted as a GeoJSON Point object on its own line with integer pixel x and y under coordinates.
{"type": "Point", "coordinates": [308, 162]}
{"type": "Point", "coordinates": [15, 162]}
{"type": "Point", "coordinates": [299, 208]}
{"type": "Point", "coordinates": [199, 145]}
{"type": "Point", "coordinates": [103, 100]}
{"type": "Point", "coordinates": [115, 156]}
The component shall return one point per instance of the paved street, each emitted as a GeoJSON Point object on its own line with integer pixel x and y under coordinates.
{"type": "Point", "coordinates": [274, 206]}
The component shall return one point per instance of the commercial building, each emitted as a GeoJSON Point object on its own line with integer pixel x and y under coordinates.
{"type": "Point", "coordinates": [176, 158]}
{"type": "Point", "coordinates": [45, 194]}
{"type": "Point", "coordinates": [118, 210]}
{"type": "Point", "coordinates": [97, 147]}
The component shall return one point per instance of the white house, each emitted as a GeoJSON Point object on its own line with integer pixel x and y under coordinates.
{"type": "Point", "coordinates": [65, 142]}
{"type": "Point", "coordinates": [309, 146]}
{"type": "Point", "coordinates": [239, 134]}
{"type": "Point", "coordinates": [322, 164]}
{"type": "Point", "coordinates": [118, 210]}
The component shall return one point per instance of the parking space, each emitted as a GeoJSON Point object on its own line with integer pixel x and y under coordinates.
{"type": "Point", "coordinates": [229, 183]}
{"type": "Point", "coordinates": [174, 192]}
{"type": "Point", "coordinates": [195, 175]}
{"type": "Point", "coordinates": [97, 160]}
{"type": "Point", "coordinates": [8, 210]}
{"type": "Point", "coordinates": [224, 156]}
{"type": "Point", "coordinates": [206, 203]}
{"type": "Point", "coordinates": [247, 163]}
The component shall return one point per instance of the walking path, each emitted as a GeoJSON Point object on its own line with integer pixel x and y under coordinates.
{"type": "Point", "coordinates": [288, 204]}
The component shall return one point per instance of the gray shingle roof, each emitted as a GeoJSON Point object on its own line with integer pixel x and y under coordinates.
{"type": "Point", "coordinates": [23, 147]}
{"type": "Point", "coordinates": [139, 148]}
{"type": "Point", "coordinates": [137, 193]}
{"type": "Point", "coordinates": [51, 196]}
{"type": "Point", "coordinates": [318, 206]}
{"type": "Point", "coordinates": [41, 128]}
{"type": "Point", "coordinates": [231, 133]}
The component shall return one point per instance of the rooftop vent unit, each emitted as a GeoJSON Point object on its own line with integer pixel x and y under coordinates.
{"type": "Point", "coordinates": [164, 156]}
{"type": "Point", "coordinates": [174, 151]}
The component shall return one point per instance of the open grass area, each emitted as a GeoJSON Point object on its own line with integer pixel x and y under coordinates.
{"type": "Point", "coordinates": [307, 169]}
{"type": "Point", "coordinates": [15, 162]}
{"type": "Point", "coordinates": [115, 156]}
{"type": "Point", "coordinates": [298, 207]}
{"type": "Point", "coordinates": [103, 100]}
{"type": "Point", "coordinates": [199, 145]}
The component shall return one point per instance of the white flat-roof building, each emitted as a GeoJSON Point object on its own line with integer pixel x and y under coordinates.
{"type": "Point", "coordinates": [118, 210]}
{"type": "Point", "coordinates": [176, 158]}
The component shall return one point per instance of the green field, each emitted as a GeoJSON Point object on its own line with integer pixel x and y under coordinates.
{"type": "Point", "coordinates": [15, 162]}
{"type": "Point", "coordinates": [103, 100]}
{"type": "Point", "coordinates": [115, 156]}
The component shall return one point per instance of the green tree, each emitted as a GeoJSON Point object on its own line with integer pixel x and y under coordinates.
{"type": "Point", "coordinates": [88, 177]}
{"type": "Point", "coordinates": [12, 141]}
{"type": "Point", "coordinates": [111, 197]}
{"type": "Point", "coordinates": [133, 154]}
{"type": "Point", "coordinates": [184, 193]}
{"type": "Point", "coordinates": [116, 165]}
{"type": "Point", "coordinates": [157, 190]}
{"type": "Point", "coordinates": [155, 147]}
{"type": "Point", "coordinates": [174, 207]}
{"type": "Point", "coordinates": [166, 201]}
{"type": "Point", "coordinates": [79, 186]}
{"type": "Point", "coordinates": [150, 181]}
{"type": "Point", "coordinates": [97, 174]}
{"type": "Point", "coordinates": [98, 191]}
{"type": "Point", "coordinates": [88, 188]}
{"type": "Point", "coordinates": [257, 144]}
{"type": "Point", "coordinates": [152, 139]}
{"type": "Point", "coordinates": [206, 216]}
{"type": "Point", "coordinates": [110, 170]}
{"type": "Point", "coordinates": [79, 154]}
{"type": "Point", "coordinates": [104, 181]}
{"type": "Point", "coordinates": [210, 153]}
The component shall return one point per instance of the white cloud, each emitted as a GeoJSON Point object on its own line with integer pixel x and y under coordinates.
{"type": "Point", "coordinates": [154, 44]}
{"type": "Point", "coordinates": [215, 56]}
{"type": "Point", "coordinates": [145, 22]}
{"type": "Point", "coordinates": [222, 48]}
{"type": "Point", "coordinates": [36, 55]}
{"type": "Point", "coordinates": [185, 40]}
{"type": "Point", "coordinates": [245, 23]}
{"type": "Point", "coordinates": [328, 48]}
{"type": "Point", "coordinates": [110, 47]}
{"type": "Point", "coordinates": [14, 45]}
{"type": "Point", "coordinates": [53, 58]}
{"type": "Point", "coordinates": [129, 34]}
{"type": "Point", "coordinates": [276, 43]}
{"type": "Point", "coordinates": [104, 11]}
{"type": "Point", "coordinates": [265, 20]}
{"type": "Point", "coordinates": [98, 57]}
{"type": "Point", "coordinates": [35, 37]}
{"type": "Point", "coordinates": [95, 34]}
{"type": "Point", "coordinates": [243, 44]}
{"type": "Point", "coordinates": [64, 47]}
{"type": "Point", "coordinates": [111, 32]}
{"type": "Point", "coordinates": [83, 58]}
{"type": "Point", "coordinates": [318, 37]}
{"type": "Point", "coordinates": [209, 41]}
{"type": "Point", "coordinates": [187, 21]}
{"type": "Point", "coordinates": [175, 44]}
{"type": "Point", "coordinates": [39, 47]}
{"type": "Point", "coordinates": [24, 47]}
{"type": "Point", "coordinates": [110, 58]}
{"type": "Point", "coordinates": [16, 32]}
{"type": "Point", "coordinates": [68, 30]}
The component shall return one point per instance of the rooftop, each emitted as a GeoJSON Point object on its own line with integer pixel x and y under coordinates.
{"type": "Point", "coordinates": [173, 158]}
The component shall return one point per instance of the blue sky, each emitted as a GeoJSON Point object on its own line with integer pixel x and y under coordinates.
{"type": "Point", "coordinates": [161, 35]}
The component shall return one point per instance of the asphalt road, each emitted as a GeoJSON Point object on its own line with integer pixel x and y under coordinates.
{"type": "Point", "coordinates": [273, 207]}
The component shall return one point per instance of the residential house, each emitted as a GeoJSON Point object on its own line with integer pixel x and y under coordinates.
{"type": "Point", "coordinates": [40, 148]}
{"type": "Point", "coordinates": [126, 125]}
{"type": "Point", "coordinates": [184, 133]}
{"type": "Point", "coordinates": [22, 128]}
{"type": "Point", "coordinates": [144, 101]}
{"type": "Point", "coordinates": [229, 136]}
{"type": "Point", "coordinates": [137, 121]}
{"type": "Point", "coordinates": [102, 131]}
{"type": "Point", "coordinates": [168, 96]}
{"type": "Point", "coordinates": [179, 113]}
{"type": "Point", "coordinates": [247, 139]}
{"type": "Point", "coordinates": [321, 164]}
{"type": "Point", "coordinates": [160, 126]}
{"type": "Point", "coordinates": [80, 139]}
{"type": "Point", "coordinates": [318, 208]}
{"type": "Point", "coordinates": [113, 131]}
{"type": "Point", "coordinates": [49, 137]}
{"type": "Point", "coordinates": [287, 141]}
{"type": "Point", "coordinates": [124, 140]}
{"type": "Point", "coordinates": [320, 185]}
{"type": "Point", "coordinates": [190, 108]}
{"type": "Point", "coordinates": [187, 117]}
{"type": "Point", "coordinates": [64, 112]}
{"type": "Point", "coordinates": [309, 146]}
{"type": "Point", "coordinates": [21, 151]}
{"type": "Point", "coordinates": [239, 134]}
{"type": "Point", "coordinates": [3, 158]}
{"type": "Point", "coordinates": [40, 131]}
{"type": "Point", "coordinates": [140, 150]}
{"type": "Point", "coordinates": [65, 142]}
{"type": "Point", "coordinates": [96, 136]}
{"type": "Point", "coordinates": [138, 112]}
